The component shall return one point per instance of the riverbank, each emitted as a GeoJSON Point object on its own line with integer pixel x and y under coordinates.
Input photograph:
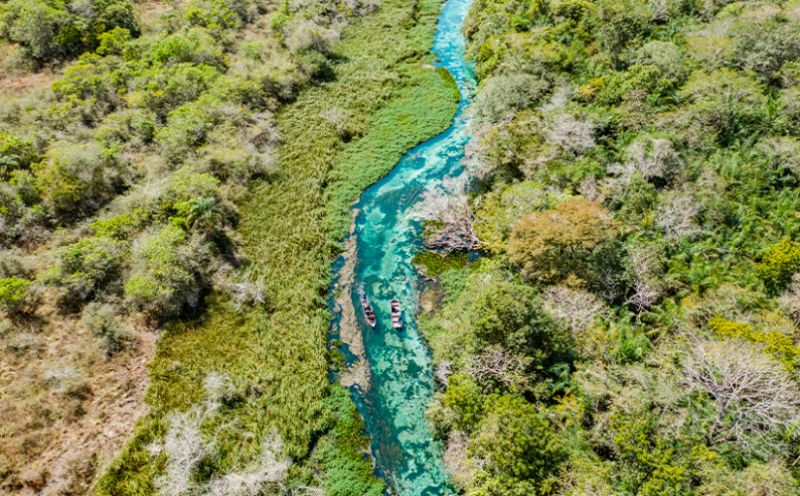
{"type": "Point", "coordinates": [339, 137]}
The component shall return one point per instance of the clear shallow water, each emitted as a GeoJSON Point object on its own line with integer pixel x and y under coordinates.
{"type": "Point", "coordinates": [387, 235]}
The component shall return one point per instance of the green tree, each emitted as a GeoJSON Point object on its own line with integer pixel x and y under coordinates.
{"type": "Point", "coordinates": [520, 445]}
{"type": "Point", "coordinates": [731, 102]}
{"type": "Point", "coordinates": [510, 315]}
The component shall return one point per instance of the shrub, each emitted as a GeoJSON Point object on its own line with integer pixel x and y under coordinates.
{"type": "Point", "coordinates": [120, 226]}
{"type": "Point", "coordinates": [90, 82]}
{"type": "Point", "coordinates": [162, 89]}
{"type": "Point", "coordinates": [16, 296]}
{"type": "Point", "coordinates": [103, 321]}
{"type": "Point", "coordinates": [131, 128]}
{"type": "Point", "coordinates": [165, 278]}
{"type": "Point", "coordinates": [76, 178]}
{"type": "Point", "coordinates": [194, 46]}
{"type": "Point", "coordinates": [86, 267]}
{"type": "Point", "coordinates": [66, 380]}
{"type": "Point", "coordinates": [189, 125]}
{"type": "Point", "coordinates": [185, 185]}
{"type": "Point", "coordinates": [15, 154]}
{"type": "Point", "coordinates": [42, 30]}
{"type": "Point", "coordinates": [114, 42]}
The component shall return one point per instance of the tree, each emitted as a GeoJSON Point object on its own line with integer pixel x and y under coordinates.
{"type": "Point", "coordinates": [502, 96]}
{"type": "Point", "coordinates": [448, 217]}
{"type": "Point", "coordinates": [506, 320]}
{"type": "Point", "coordinates": [518, 445]}
{"type": "Point", "coordinates": [553, 244]}
{"type": "Point", "coordinates": [497, 368]}
{"type": "Point", "coordinates": [755, 399]}
{"type": "Point", "coordinates": [731, 102]}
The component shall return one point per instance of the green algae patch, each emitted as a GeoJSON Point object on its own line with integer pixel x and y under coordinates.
{"type": "Point", "coordinates": [434, 264]}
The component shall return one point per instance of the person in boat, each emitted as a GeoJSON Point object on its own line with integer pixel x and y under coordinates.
{"type": "Point", "coordinates": [397, 319]}
{"type": "Point", "coordinates": [369, 313]}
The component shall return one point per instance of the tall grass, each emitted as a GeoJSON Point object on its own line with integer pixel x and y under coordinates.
{"type": "Point", "coordinates": [276, 354]}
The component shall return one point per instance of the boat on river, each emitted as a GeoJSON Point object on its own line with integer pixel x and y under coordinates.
{"type": "Point", "coordinates": [397, 314]}
{"type": "Point", "coordinates": [366, 306]}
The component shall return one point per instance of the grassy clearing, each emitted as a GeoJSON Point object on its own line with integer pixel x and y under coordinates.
{"type": "Point", "coordinates": [276, 355]}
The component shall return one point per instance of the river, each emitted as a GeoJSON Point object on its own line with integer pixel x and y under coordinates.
{"type": "Point", "coordinates": [386, 234]}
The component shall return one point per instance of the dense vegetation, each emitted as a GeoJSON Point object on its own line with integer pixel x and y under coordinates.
{"type": "Point", "coordinates": [192, 172]}
{"type": "Point", "coordinates": [631, 325]}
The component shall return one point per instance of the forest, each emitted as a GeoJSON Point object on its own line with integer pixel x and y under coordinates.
{"type": "Point", "coordinates": [615, 283]}
{"type": "Point", "coordinates": [630, 324]}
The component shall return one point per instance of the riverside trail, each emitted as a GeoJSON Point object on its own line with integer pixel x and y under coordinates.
{"type": "Point", "coordinates": [401, 384]}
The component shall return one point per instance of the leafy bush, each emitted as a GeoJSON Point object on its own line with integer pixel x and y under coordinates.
{"type": "Point", "coordinates": [193, 46]}
{"type": "Point", "coordinates": [77, 178]}
{"type": "Point", "coordinates": [86, 267]}
{"type": "Point", "coordinates": [90, 82]}
{"type": "Point", "coordinates": [16, 296]}
{"type": "Point", "coordinates": [779, 263]}
{"type": "Point", "coordinates": [131, 128]}
{"type": "Point", "coordinates": [165, 277]}
{"type": "Point", "coordinates": [15, 154]}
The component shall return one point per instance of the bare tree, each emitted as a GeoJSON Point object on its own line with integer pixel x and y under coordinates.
{"type": "Point", "coordinates": [570, 133]}
{"type": "Point", "coordinates": [449, 217]}
{"type": "Point", "coordinates": [676, 215]}
{"type": "Point", "coordinates": [186, 447]}
{"type": "Point", "coordinates": [575, 309]}
{"type": "Point", "coordinates": [756, 399]}
{"type": "Point", "coordinates": [496, 366]}
{"type": "Point", "coordinates": [646, 269]}
{"type": "Point", "coordinates": [456, 459]}
{"type": "Point", "coordinates": [443, 371]}
{"type": "Point", "coordinates": [654, 158]}
{"type": "Point", "coordinates": [269, 469]}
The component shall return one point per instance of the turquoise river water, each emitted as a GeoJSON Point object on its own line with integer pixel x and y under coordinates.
{"type": "Point", "coordinates": [387, 237]}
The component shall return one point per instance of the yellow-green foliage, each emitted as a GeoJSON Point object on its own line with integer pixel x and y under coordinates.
{"type": "Point", "coordinates": [553, 244]}
{"type": "Point", "coordinates": [13, 293]}
{"type": "Point", "coordinates": [777, 344]}
{"type": "Point", "coordinates": [779, 263]}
